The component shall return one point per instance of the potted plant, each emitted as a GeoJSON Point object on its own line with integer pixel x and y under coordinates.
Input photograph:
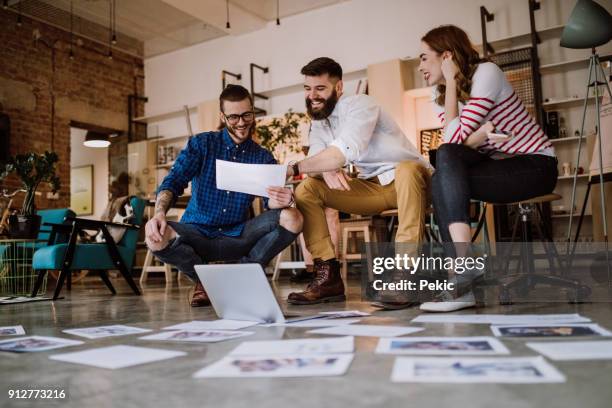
{"type": "Point", "coordinates": [281, 135]}
{"type": "Point", "coordinates": [32, 170]}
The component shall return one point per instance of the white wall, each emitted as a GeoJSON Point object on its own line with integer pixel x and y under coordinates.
{"type": "Point", "coordinates": [81, 155]}
{"type": "Point", "coordinates": [356, 33]}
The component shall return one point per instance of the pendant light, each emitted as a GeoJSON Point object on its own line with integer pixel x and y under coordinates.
{"type": "Point", "coordinates": [96, 139]}
{"type": "Point", "coordinates": [71, 30]}
{"type": "Point", "coordinates": [277, 12]}
{"type": "Point", "coordinates": [227, 22]}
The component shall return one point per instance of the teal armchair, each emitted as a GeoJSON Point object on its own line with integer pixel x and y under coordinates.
{"type": "Point", "coordinates": [71, 256]}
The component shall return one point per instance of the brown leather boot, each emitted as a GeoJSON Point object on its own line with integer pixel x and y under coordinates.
{"type": "Point", "coordinates": [326, 286]}
{"type": "Point", "coordinates": [200, 298]}
{"type": "Point", "coordinates": [302, 275]}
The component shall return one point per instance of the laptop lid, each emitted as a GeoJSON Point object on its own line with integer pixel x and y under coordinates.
{"type": "Point", "coordinates": [240, 292]}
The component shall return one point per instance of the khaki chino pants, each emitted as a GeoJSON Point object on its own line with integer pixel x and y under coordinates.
{"type": "Point", "coordinates": [409, 193]}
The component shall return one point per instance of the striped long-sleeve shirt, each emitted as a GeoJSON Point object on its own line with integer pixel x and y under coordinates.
{"type": "Point", "coordinates": [493, 99]}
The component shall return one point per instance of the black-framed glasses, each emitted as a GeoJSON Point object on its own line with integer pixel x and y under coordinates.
{"type": "Point", "coordinates": [233, 119]}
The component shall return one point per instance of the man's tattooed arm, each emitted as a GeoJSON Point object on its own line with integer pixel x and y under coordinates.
{"type": "Point", "coordinates": [163, 202]}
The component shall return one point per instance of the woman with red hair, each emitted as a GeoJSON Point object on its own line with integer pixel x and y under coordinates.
{"type": "Point", "coordinates": [493, 151]}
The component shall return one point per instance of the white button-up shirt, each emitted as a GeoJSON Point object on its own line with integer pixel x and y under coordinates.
{"type": "Point", "coordinates": [368, 137]}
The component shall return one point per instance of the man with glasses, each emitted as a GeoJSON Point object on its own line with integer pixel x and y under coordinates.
{"type": "Point", "coordinates": [215, 225]}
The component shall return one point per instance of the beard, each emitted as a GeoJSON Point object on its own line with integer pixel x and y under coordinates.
{"type": "Point", "coordinates": [328, 106]}
{"type": "Point", "coordinates": [232, 130]}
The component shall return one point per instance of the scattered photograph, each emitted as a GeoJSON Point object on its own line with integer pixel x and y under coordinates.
{"type": "Point", "coordinates": [200, 336]}
{"type": "Point", "coordinates": [120, 356]}
{"type": "Point", "coordinates": [342, 314]}
{"type": "Point", "coordinates": [368, 330]}
{"type": "Point", "coordinates": [330, 345]}
{"type": "Point", "coordinates": [36, 343]}
{"type": "Point", "coordinates": [220, 324]}
{"type": "Point", "coordinates": [11, 330]}
{"type": "Point", "coordinates": [501, 319]}
{"type": "Point", "coordinates": [442, 346]}
{"type": "Point", "coordinates": [278, 366]}
{"type": "Point", "coordinates": [550, 330]}
{"type": "Point", "coordinates": [574, 350]}
{"type": "Point", "coordinates": [100, 332]}
{"type": "Point", "coordinates": [515, 370]}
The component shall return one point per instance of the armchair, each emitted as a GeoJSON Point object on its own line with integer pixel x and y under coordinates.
{"type": "Point", "coordinates": [71, 256]}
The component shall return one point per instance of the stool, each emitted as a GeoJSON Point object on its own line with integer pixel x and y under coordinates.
{"type": "Point", "coordinates": [528, 281]}
{"type": "Point", "coordinates": [371, 229]}
{"type": "Point", "coordinates": [295, 263]}
{"type": "Point", "coordinates": [147, 267]}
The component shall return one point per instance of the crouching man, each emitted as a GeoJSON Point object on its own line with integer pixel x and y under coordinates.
{"type": "Point", "coordinates": [215, 225]}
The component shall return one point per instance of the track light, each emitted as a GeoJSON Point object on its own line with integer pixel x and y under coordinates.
{"type": "Point", "coordinates": [277, 12]}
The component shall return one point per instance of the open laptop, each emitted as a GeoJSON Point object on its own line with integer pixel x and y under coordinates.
{"type": "Point", "coordinates": [242, 292]}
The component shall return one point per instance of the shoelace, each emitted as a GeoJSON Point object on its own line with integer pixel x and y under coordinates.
{"type": "Point", "coordinates": [317, 280]}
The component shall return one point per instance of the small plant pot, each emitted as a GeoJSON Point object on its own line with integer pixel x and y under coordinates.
{"type": "Point", "coordinates": [24, 226]}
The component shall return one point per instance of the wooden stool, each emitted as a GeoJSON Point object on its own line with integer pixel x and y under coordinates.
{"type": "Point", "coordinates": [371, 232]}
{"type": "Point", "coordinates": [147, 267]}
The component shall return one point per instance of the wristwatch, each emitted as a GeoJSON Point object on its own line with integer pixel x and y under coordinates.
{"type": "Point", "coordinates": [295, 168]}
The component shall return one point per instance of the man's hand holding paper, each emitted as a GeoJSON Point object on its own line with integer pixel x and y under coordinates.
{"type": "Point", "coordinates": [265, 180]}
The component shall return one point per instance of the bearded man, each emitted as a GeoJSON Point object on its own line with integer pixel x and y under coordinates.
{"type": "Point", "coordinates": [392, 174]}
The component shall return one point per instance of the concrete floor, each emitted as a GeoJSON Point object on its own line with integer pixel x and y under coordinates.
{"type": "Point", "coordinates": [169, 383]}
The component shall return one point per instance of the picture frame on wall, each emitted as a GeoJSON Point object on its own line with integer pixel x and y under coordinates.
{"type": "Point", "coordinates": [82, 189]}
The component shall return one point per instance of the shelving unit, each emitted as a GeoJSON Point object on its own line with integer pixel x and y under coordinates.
{"type": "Point", "coordinates": [560, 77]}
{"type": "Point", "coordinates": [580, 176]}
{"type": "Point", "coordinates": [566, 74]}
{"type": "Point", "coordinates": [145, 168]}
{"type": "Point", "coordinates": [157, 117]}
{"type": "Point", "coordinates": [566, 139]}
{"type": "Point", "coordinates": [568, 214]}
{"type": "Point", "coordinates": [567, 101]}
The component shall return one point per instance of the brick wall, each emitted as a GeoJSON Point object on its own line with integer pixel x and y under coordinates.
{"type": "Point", "coordinates": [91, 89]}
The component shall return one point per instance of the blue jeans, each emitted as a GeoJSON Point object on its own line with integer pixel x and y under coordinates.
{"type": "Point", "coordinates": [463, 173]}
{"type": "Point", "coordinates": [261, 240]}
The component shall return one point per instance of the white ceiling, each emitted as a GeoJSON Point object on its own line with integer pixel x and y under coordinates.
{"type": "Point", "coordinates": [167, 25]}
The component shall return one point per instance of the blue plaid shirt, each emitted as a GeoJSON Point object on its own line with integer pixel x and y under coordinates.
{"type": "Point", "coordinates": [215, 212]}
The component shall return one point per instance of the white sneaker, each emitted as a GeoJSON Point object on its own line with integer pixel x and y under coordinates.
{"type": "Point", "coordinates": [448, 304]}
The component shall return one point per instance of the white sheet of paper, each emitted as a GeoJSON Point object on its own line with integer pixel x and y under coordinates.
{"type": "Point", "coordinates": [294, 365]}
{"type": "Point", "coordinates": [549, 330]}
{"type": "Point", "coordinates": [11, 330]}
{"type": "Point", "coordinates": [220, 324]}
{"type": "Point", "coordinates": [36, 343]}
{"type": "Point", "coordinates": [499, 319]}
{"type": "Point", "coordinates": [326, 322]}
{"type": "Point", "coordinates": [442, 346]}
{"type": "Point", "coordinates": [200, 336]}
{"type": "Point", "coordinates": [514, 370]}
{"type": "Point", "coordinates": [367, 330]}
{"type": "Point", "coordinates": [249, 178]}
{"type": "Point", "coordinates": [574, 350]}
{"type": "Point", "coordinates": [338, 314]}
{"type": "Point", "coordinates": [100, 332]}
{"type": "Point", "coordinates": [295, 346]}
{"type": "Point", "coordinates": [117, 356]}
